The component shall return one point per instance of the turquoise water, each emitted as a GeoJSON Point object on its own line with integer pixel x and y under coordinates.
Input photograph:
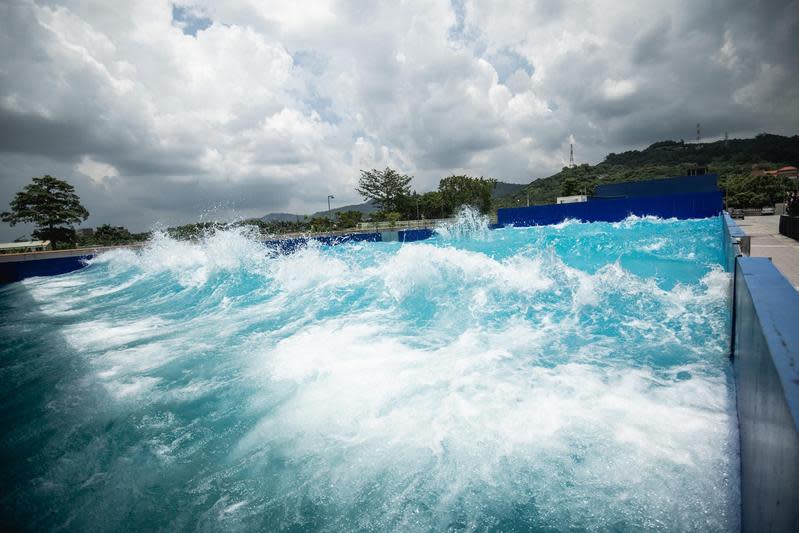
{"type": "Point", "coordinates": [552, 378]}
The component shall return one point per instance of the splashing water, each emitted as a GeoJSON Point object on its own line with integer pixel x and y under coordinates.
{"type": "Point", "coordinates": [562, 377]}
{"type": "Point", "coordinates": [468, 224]}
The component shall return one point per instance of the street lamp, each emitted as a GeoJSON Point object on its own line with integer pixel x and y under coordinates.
{"type": "Point", "coordinates": [329, 196]}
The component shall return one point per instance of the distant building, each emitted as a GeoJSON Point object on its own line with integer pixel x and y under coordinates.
{"type": "Point", "coordinates": [24, 247]}
{"type": "Point", "coordinates": [572, 199]}
{"type": "Point", "coordinates": [696, 170]}
{"type": "Point", "coordinates": [784, 172]}
{"type": "Point", "coordinates": [85, 232]}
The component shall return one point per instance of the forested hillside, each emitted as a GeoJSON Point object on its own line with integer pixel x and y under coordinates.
{"type": "Point", "coordinates": [732, 160]}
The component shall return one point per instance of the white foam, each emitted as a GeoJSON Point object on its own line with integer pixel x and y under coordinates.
{"type": "Point", "coordinates": [192, 263]}
{"type": "Point", "coordinates": [632, 220]}
{"type": "Point", "coordinates": [468, 223]}
{"type": "Point", "coordinates": [566, 222]}
{"type": "Point", "coordinates": [419, 266]}
{"type": "Point", "coordinates": [366, 400]}
{"type": "Point", "coordinates": [102, 334]}
{"type": "Point", "coordinates": [655, 245]}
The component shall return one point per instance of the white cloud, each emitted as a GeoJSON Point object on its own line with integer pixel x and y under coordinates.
{"type": "Point", "coordinates": [618, 89]}
{"type": "Point", "coordinates": [96, 170]}
{"type": "Point", "coordinates": [271, 106]}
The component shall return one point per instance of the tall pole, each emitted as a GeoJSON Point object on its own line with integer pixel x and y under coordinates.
{"type": "Point", "coordinates": [329, 196]}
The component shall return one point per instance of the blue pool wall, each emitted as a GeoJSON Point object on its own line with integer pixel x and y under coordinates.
{"type": "Point", "coordinates": [765, 356]}
{"type": "Point", "coordinates": [49, 266]}
{"type": "Point", "coordinates": [658, 187]}
{"type": "Point", "coordinates": [679, 205]}
{"type": "Point", "coordinates": [767, 386]}
{"type": "Point", "coordinates": [731, 235]}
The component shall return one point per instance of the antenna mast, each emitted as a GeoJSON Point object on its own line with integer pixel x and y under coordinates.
{"type": "Point", "coordinates": [571, 155]}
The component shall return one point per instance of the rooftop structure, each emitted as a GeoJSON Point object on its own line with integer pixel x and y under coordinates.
{"type": "Point", "coordinates": [787, 172]}
{"type": "Point", "coordinates": [572, 199]}
{"type": "Point", "coordinates": [24, 246]}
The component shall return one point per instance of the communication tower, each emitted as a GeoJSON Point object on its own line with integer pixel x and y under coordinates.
{"type": "Point", "coordinates": [571, 155]}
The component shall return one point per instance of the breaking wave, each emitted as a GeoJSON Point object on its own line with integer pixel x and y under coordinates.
{"type": "Point", "coordinates": [569, 377]}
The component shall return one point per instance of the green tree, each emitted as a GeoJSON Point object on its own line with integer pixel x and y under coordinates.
{"type": "Point", "coordinates": [431, 205]}
{"type": "Point", "coordinates": [348, 219]}
{"type": "Point", "coordinates": [388, 188]}
{"type": "Point", "coordinates": [755, 191]}
{"type": "Point", "coordinates": [393, 217]}
{"type": "Point", "coordinates": [456, 191]}
{"type": "Point", "coordinates": [112, 234]}
{"type": "Point", "coordinates": [52, 205]}
{"type": "Point", "coordinates": [570, 187]}
{"type": "Point", "coordinates": [320, 224]}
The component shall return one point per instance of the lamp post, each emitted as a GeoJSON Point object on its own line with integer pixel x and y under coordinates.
{"type": "Point", "coordinates": [329, 196]}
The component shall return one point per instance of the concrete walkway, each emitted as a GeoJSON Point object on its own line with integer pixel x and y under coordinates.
{"type": "Point", "coordinates": [767, 242]}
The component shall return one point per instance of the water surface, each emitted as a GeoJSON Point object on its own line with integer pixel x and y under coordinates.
{"type": "Point", "coordinates": [562, 377]}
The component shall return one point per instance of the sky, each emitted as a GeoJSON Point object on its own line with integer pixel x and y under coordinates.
{"type": "Point", "coordinates": [170, 112]}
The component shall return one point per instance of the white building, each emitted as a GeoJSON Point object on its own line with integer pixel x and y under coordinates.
{"type": "Point", "coordinates": [25, 246]}
{"type": "Point", "coordinates": [572, 199]}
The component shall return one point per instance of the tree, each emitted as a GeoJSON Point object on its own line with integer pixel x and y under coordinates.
{"type": "Point", "coordinates": [755, 191]}
{"type": "Point", "coordinates": [320, 224]}
{"type": "Point", "coordinates": [393, 217]}
{"type": "Point", "coordinates": [431, 205]}
{"type": "Point", "coordinates": [52, 205]}
{"type": "Point", "coordinates": [348, 219]}
{"type": "Point", "coordinates": [456, 191]}
{"type": "Point", "coordinates": [570, 187]}
{"type": "Point", "coordinates": [387, 188]}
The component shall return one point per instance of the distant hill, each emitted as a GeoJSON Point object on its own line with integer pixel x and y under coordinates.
{"type": "Point", "coordinates": [366, 208]}
{"type": "Point", "coordinates": [504, 189]}
{"type": "Point", "coordinates": [732, 159]}
{"type": "Point", "coordinates": [281, 217]}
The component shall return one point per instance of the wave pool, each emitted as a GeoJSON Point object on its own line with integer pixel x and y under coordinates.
{"type": "Point", "coordinates": [549, 378]}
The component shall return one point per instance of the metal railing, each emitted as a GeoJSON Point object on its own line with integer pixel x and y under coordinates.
{"type": "Point", "coordinates": [400, 224]}
{"type": "Point", "coordinates": [403, 224]}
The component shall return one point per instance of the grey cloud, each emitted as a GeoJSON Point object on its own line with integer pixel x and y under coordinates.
{"type": "Point", "coordinates": [648, 46]}
{"type": "Point", "coordinates": [278, 132]}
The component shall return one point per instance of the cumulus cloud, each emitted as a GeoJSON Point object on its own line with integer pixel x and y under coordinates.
{"type": "Point", "coordinates": [159, 110]}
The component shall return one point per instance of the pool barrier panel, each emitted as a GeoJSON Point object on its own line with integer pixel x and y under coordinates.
{"type": "Point", "coordinates": [766, 366]}
{"type": "Point", "coordinates": [680, 205]}
{"type": "Point", "coordinates": [765, 357]}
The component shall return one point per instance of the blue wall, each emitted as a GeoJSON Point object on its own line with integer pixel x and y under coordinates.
{"type": "Point", "coordinates": [677, 184]}
{"type": "Point", "coordinates": [290, 245]}
{"type": "Point", "coordinates": [19, 270]}
{"type": "Point", "coordinates": [689, 205]}
{"type": "Point", "coordinates": [411, 235]}
{"type": "Point", "coordinates": [766, 363]}
{"type": "Point", "coordinates": [731, 233]}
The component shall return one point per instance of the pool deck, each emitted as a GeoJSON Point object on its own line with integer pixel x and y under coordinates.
{"type": "Point", "coordinates": [767, 242]}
